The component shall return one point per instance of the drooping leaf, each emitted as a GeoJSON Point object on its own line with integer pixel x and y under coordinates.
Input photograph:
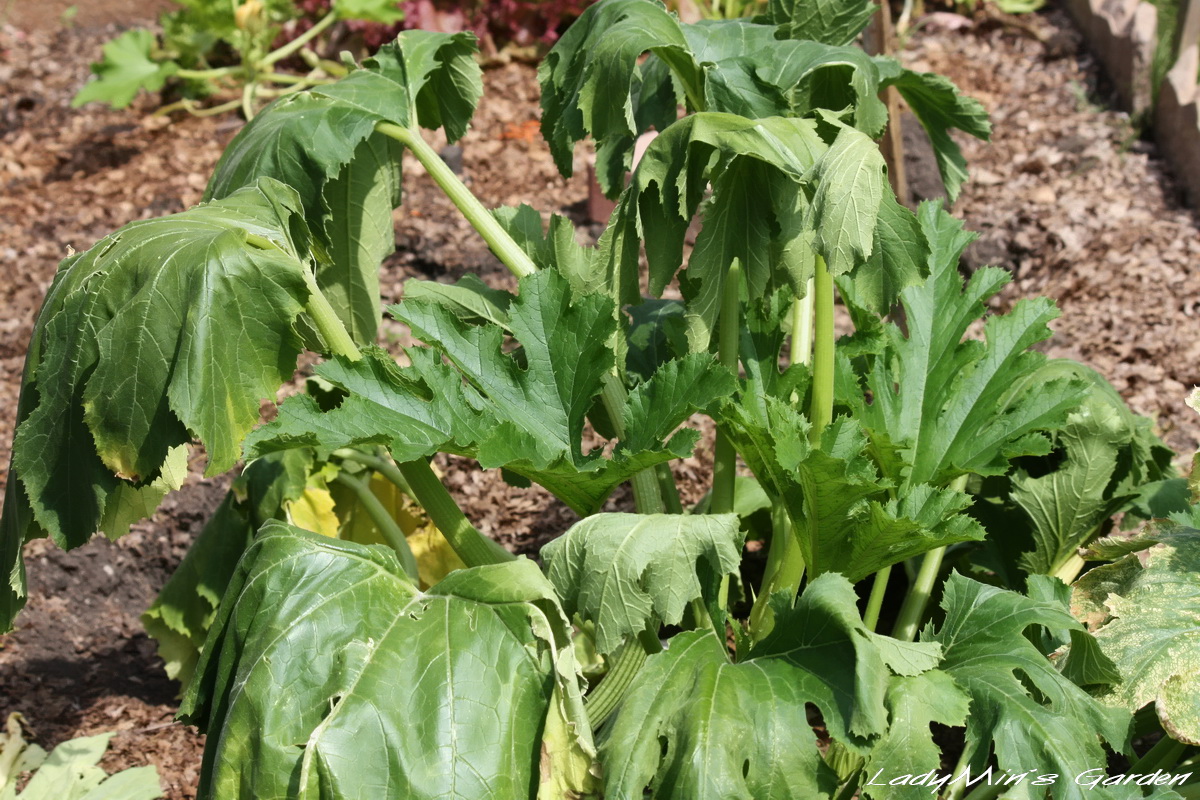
{"type": "Point", "coordinates": [941, 406]}
{"type": "Point", "coordinates": [1146, 617]}
{"type": "Point", "coordinates": [908, 747]}
{"type": "Point", "coordinates": [181, 615]}
{"type": "Point", "coordinates": [1033, 717]}
{"type": "Point", "coordinates": [323, 142]}
{"type": "Point", "coordinates": [836, 22]}
{"type": "Point", "coordinates": [939, 107]}
{"type": "Point", "coordinates": [588, 77]}
{"type": "Point", "coordinates": [525, 416]}
{"type": "Point", "coordinates": [392, 692]}
{"type": "Point", "coordinates": [387, 12]}
{"type": "Point", "coordinates": [899, 259]}
{"type": "Point", "coordinates": [145, 340]}
{"type": "Point", "coordinates": [1083, 662]}
{"type": "Point", "coordinates": [628, 572]}
{"type": "Point", "coordinates": [128, 67]}
{"type": "Point", "coordinates": [469, 297]}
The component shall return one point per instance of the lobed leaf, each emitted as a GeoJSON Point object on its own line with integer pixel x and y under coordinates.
{"type": "Point", "coordinates": [1034, 717]}
{"type": "Point", "coordinates": [941, 406]}
{"type": "Point", "coordinates": [127, 68]}
{"type": "Point", "coordinates": [630, 572]}
{"type": "Point", "coordinates": [523, 411]}
{"type": "Point", "coordinates": [834, 22]}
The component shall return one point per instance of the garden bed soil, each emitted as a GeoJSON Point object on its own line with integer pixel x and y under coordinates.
{"type": "Point", "coordinates": [1066, 195]}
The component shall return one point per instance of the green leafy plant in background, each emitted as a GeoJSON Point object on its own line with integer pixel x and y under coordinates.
{"type": "Point", "coordinates": [326, 653]}
{"type": "Point", "coordinates": [70, 772]}
{"type": "Point", "coordinates": [240, 36]}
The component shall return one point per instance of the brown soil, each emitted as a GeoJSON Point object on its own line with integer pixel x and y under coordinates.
{"type": "Point", "coordinates": [1066, 196]}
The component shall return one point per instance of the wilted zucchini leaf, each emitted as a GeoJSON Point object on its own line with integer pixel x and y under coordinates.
{"type": "Point", "coordinates": [1145, 613]}
{"type": "Point", "coordinates": [392, 692]}
{"type": "Point", "coordinates": [145, 341]}
{"type": "Point", "coordinates": [694, 724]}
{"type": "Point", "coordinates": [630, 572]}
{"type": "Point", "coordinates": [942, 407]}
{"type": "Point", "coordinates": [322, 142]}
{"type": "Point", "coordinates": [1034, 717]}
{"type": "Point", "coordinates": [525, 415]}
{"type": "Point", "coordinates": [834, 22]}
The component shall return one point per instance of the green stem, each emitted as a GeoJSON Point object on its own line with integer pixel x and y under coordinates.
{"type": "Point", "coordinates": [248, 100]}
{"type": "Point", "coordinates": [287, 77]}
{"type": "Point", "coordinates": [384, 467]}
{"type": "Point", "coordinates": [472, 547]}
{"type": "Point", "coordinates": [646, 494]}
{"type": "Point", "coordinates": [956, 789]}
{"type": "Point", "coordinates": [480, 218]}
{"type": "Point", "coordinates": [204, 74]}
{"type": "Point", "coordinates": [326, 319]}
{"type": "Point", "coordinates": [821, 410]}
{"type": "Point", "coordinates": [1163, 755]}
{"type": "Point", "coordinates": [190, 107]}
{"type": "Point", "coordinates": [802, 324]}
{"type": "Point", "coordinates": [383, 520]}
{"type": "Point", "coordinates": [985, 792]}
{"type": "Point", "coordinates": [875, 603]}
{"type": "Point", "coordinates": [1070, 567]}
{"type": "Point", "coordinates": [295, 44]}
{"type": "Point", "coordinates": [729, 328]}
{"type": "Point", "coordinates": [602, 701]}
{"type": "Point", "coordinates": [668, 489]}
{"type": "Point", "coordinates": [919, 593]}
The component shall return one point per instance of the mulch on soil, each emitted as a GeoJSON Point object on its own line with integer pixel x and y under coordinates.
{"type": "Point", "coordinates": [1066, 196]}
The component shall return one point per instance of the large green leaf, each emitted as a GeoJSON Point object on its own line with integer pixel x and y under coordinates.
{"type": "Point", "coordinates": [166, 329]}
{"type": "Point", "coordinates": [522, 411]}
{"type": "Point", "coordinates": [630, 572]}
{"type": "Point", "coordinates": [1034, 717]}
{"type": "Point", "coordinates": [941, 406]}
{"type": "Point", "coordinates": [128, 67]}
{"type": "Point", "coordinates": [694, 724]}
{"type": "Point", "coordinates": [392, 692]}
{"type": "Point", "coordinates": [1145, 613]}
{"type": "Point", "coordinates": [323, 142]}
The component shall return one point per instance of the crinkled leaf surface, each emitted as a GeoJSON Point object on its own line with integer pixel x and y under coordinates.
{"type": "Point", "coordinates": [128, 67]}
{"type": "Point", "coordinates": [834, 22]}
{"type": "Point", "coordinates": [323, 142]}
{"type": "Point", "coordinates": [1034, 717]}
{"type": "Point", "coordinates": [525, 415]}
{"type": "Point", "coordinates": [833, 493]}
{"type": "Point", "coordinates": [628, 572]}
{"type": "Point", "coordinates": [167, 328]}
{"type": "Point", "coordinates": [908, 747]}
{"type": "Point", "coordinates": [694, 724]}
{"type": "Point", "coordinates": [1146, 617]}
{"type": "Point", "coordinates": [392, 692]}
{"type": "Point", "coordinates": [946, 403]}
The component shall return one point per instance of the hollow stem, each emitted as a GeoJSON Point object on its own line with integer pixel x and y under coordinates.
{"type": "Point", "coordinates": [384, 467]}
{"type": "Point", "coordinates": [729, 327]}
{"type": "Point", "coordinates": [875, 602]}
{"type": "Point", "coordinates": [190, 107]}
{"type": "Point", "coordinates": [326, 319]}
{"type": "Point", "coordinates": [915, 603]}
{"type": "Point", "coordinates": [1163, 755]}
{"type": "Point", "coordinates": [1070, 567]}
{"type": "Point", "coordinates": [383, 520]}
{"type": "Point", "coordinates": [668, 489]}
{"type": "Point", "coordinates": [295, 44]}
{"type": "Point", "coordinates": [472, 547]}
{"type": "Point", "coordinates": [602, 701]}
{"type": "Point", "coordinates": [480, 218]}
{"type": "Point", "coordinates": [802, 332]}
{"type": "Point", "coordinates": [204, 74]}
{"type": "Point", "coordinates": [821, 409]}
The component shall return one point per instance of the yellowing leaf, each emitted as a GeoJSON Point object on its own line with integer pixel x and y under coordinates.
{"type": "Point", "coordinates": [313, 511]}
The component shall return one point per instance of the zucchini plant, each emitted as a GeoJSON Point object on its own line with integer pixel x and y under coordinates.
{"type": "Point", "coordinates": [643, 655]}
